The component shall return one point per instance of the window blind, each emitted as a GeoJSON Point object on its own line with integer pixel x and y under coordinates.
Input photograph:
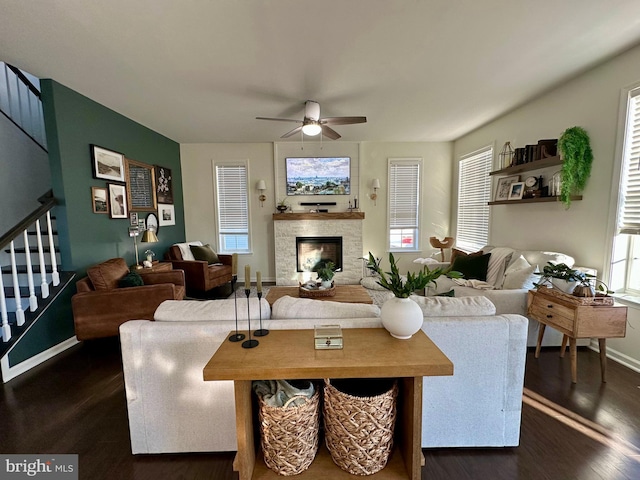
{"type": "Point", "coordinates": [474, 194]}
{"type": "Point", "coordinates": [629, 215]}
{"type": "Point", "coordinates": [233, 209]}
{"type": "Point", "coordinates": [404, 203]}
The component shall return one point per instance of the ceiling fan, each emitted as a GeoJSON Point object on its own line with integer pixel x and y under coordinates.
{"type": "Point", "coordinates": [312, 124]}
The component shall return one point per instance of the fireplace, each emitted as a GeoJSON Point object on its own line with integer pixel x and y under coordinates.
{"type": "Point", "coordinates": [313, 252]}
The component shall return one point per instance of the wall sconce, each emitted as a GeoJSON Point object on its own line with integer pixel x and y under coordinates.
{"type": "Point", "coordinates": [375, 184]}
{"type": "Point", "coordinates": [261, 186]}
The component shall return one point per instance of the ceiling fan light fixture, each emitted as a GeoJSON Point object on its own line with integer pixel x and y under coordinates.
{"type": "Point", "coordinates": [311, 129]}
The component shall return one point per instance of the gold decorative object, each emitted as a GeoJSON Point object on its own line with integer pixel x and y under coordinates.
{"type": "Point", "coordinates": [442, 244]}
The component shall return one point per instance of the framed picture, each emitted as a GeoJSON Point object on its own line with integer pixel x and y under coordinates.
{"type": "Point", "coordinates": [106, 164]}
{"type": "Point", "coordinates": [516, 190]}
{"type": "Point", "coordinates": [117, 200]}
{"type": "Point", "coordinates": [142, 225]}
{"type": "Point", "coordinates": [167, 214]}
{"type": "Point", "coordinates": [133, 219]}
{"type": "Point", "coordinates": [99, 200]}
{"type": "Point", "coordinates": [152, 222]}
{"type": "Point", "coordinates": [504, 187]}
{"type": "Point", "coordinates": [141, 186]}
{"type": "Point", "coordinates": [164, 185]}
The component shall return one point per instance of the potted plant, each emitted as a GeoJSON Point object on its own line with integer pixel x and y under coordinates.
{"type": "Point", "coordinates": [325, 273]}
{"type": "Point", "coordinates": [570, 280]}
{"type": "Point", "coordinates": [282, 205]}
{"type": "Point", "coordinates": [576, 162]}
{"type": "Point", "coordinates": [400, 315]}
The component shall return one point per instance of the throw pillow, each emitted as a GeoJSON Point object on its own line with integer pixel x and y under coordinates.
{"type": "Point", "coordinates": [472, 266]}
{"type": "Point", "coordinates": [459, 253]}
{"type": "Point", "coordinates": [131, 279]}
{"type": "Point", "coordinates": [185, 251]}
{"type": "Point", "coordinates": [522, 278]}
{"type": "Point", "coordinates": [204, 252]}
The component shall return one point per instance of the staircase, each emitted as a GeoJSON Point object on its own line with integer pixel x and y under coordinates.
{"type": "Point", "coordinates": [34, 293]}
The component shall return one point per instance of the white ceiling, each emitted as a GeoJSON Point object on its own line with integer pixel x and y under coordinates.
{"type": "Point", "coordinates": [420, 70]}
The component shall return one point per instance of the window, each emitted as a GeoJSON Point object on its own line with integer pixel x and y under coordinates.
{"type": "Point", "coordinates": [625, 264]}
{"type": "Point", "coordinates": [404, 203]}
{"type": "Point", "coordinates": [474, 194]}
{"type": "Point", "coordinates": [232, 207]}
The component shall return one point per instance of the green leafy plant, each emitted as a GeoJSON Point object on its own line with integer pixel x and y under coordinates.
{"type": "Point", "coordinates": [326, 271]}
{"type": "Point", "coordinates": [577, 158]}
{"type": "Point", "coordinates": [562, 271]}
{"type": "Point", "coordinates": [393, 281]}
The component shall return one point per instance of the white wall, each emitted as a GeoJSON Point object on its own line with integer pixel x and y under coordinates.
{"type": "Point", "coordinates": [266, 160]}
{"type": "Point", "coordinates": [590, 101]}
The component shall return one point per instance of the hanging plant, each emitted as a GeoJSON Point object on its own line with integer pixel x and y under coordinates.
{"type": "Point", "coordinates": [577, 158]}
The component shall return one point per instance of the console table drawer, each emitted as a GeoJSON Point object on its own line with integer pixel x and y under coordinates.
{"type": "Point", "coordinates": [560, 318]}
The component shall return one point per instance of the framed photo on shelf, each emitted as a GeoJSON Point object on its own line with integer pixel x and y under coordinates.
{"type": "Point", "coordinates": [99, 200]}
{"type": "Point", "coordinates": [152, 222]}
{"type": "Point", "coordinates": [516, 190]}
{"type": "Point", "coordinates": [167, 214]}
{"type": "Point", "coordinates": [164, 185]}
{"type": "Point", "coordinates": [106, 164]}
{"type": "Point", "coordinates": [117, 200]}
{"type": "Point", "coordinates": [504, 187]}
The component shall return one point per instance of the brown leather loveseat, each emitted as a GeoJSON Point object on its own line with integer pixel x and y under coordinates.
{"type": "Point", "coordinates": [101, 305]}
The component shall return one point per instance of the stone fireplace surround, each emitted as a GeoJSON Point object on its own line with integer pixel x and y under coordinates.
{"type": "Point", "coordinates": [288, 226]}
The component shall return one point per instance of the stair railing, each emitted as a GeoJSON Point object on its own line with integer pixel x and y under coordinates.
{"type": "Point", "coordinates": [32, 220]}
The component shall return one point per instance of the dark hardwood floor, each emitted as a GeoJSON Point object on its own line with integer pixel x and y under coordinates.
{"type": "Point", "coordinates": [75, 403]}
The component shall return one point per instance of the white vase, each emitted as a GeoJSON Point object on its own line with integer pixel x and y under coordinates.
{"type": "Point", "coordinates": [566, 287]}
{"type": "Point", "coordinates": [402, 317]}
{"type": "Point", "coordinates": [326, 283]}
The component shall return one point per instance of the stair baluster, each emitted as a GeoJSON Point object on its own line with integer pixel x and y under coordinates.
{"type": "Point", "coordinates": [33, 300]}
{"type": "Point", "coordinates": [44, 286]}
{"type": "Point", "coordinates": [6, 329]}
{"type": "Point", "coordinates": [55, 276]}
{"type": "Point", "coordinates": [16, 286]}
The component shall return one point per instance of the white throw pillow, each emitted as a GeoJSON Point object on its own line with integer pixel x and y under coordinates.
{"type": "Point", "coordinates": [520, 278]}
{"type": "Point", "coordinates": [455, 306]}
{"type": "Point", "coordinates": [185, 251]}
{"type": "Point", "coordinates": [297, 308]}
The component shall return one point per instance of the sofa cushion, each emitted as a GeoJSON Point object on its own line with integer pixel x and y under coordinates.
{"type": "Point", "coordinates": [520, 275]}
{"type": "Point", "coordinates": [472, 266]}
{"type": "Point", "coordinates": [204, 252]}
{"type": "Point", "coordinates": [211, 310]}
{"type": "Point", "coordinates": [454, 307]}
{"type": "Point", "coordinates": [131, 279]}
{"type": "Point", "coordinates": [297, 308]}
{"type": "Point", "coordinates": [106, 275]}
{"type": "Point", "coordinates": [185, 251]}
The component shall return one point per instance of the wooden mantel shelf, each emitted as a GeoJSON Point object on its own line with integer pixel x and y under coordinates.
{"type": "Point", "coordinates": [319, 216]}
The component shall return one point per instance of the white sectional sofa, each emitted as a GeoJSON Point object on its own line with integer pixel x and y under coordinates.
{"type": "Point", "coordinates": [171, 409]}
{"type": "Point", "coordinates": [511, 280]}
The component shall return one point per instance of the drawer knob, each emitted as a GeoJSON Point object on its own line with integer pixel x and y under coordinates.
{"type": "Point", "coordinates": [549, 316]}
{"type": "Point", "coordinates": [549, 306]}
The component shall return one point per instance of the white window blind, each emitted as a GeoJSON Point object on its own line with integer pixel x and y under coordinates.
{"type": "Point", "coordinates": [629, 215]}
{"type": "Point", "coordinates": [404, 203]}
{"type": "Point", "coordinates": [232, 207]}
{"type": "Point", "coordinates": [474, 193]}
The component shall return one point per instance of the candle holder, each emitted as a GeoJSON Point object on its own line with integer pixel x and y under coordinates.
{"type": "Point", "coordinates": [235, 337]}
{"type": "Point", "coordinates": [251, 343]}
{"type": "Point", "coordinates": [262, 331]}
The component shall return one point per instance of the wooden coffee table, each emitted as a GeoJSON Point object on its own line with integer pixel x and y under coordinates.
{"type": "Point", "coordinates": [367, 353]}
{"type": "Point", "coordinates": [344, 294]}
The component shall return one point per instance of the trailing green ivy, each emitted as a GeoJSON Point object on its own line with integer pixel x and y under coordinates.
{"type": "Point", "coordinates": [577, 158]}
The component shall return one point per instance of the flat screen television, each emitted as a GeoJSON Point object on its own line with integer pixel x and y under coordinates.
{"type": "Point", "coordinates": [318, 175]}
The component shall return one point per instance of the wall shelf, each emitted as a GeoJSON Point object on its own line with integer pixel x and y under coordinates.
{"type": "Point", "coordinates": [534, 200]}
{"type": "Point", "coordinates": [526, 167]}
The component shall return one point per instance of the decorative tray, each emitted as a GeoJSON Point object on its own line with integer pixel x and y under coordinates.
{"type": "Point", "coordinates": [305, 292]}
{"type": "Point", "coordinates": [599, 299]}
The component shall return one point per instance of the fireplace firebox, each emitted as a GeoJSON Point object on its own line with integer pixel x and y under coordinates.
{"type": "Point", "coordinates": [314, 252]}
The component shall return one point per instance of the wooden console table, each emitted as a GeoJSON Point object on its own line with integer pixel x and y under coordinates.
{"type": "Point", "coordinates": [367, 353]}
{"type": "Point", "coordinates": [576, 321]}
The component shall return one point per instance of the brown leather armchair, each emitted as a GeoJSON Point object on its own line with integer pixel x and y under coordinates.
{"type": "Point", "coordinates": [200, 277]}
{"type": "Point", "coordinates": [100, 306]}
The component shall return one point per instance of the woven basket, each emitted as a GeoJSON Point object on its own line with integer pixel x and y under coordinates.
{"type": "Point", "coordinates": [289, 435]}
{"type": "Point", "coordinates": [325, 292]}
{"type": "Point", "coordinates": [598, 299]}
{"type": "Point", "coordinates": [359, 430]}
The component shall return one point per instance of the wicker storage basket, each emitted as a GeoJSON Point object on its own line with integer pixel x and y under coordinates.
{"type": "Point", "coordinates": [289, 435]}
{"type": "Point", "coordinates": [359, 429]}
{"type": "Point", "coordinates": [598, 299]}
{"type": "Point", "coordinates": [325, 292]}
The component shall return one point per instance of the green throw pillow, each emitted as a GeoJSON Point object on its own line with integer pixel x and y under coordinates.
{"type": "Point", "coordinates": [450, 293]}
{"type": "Point", "coordinates": [205, 253]}
{"type": "Point", "coordinates": [131, 279]}
{"type": "Point", "coordinates": [472, 266]}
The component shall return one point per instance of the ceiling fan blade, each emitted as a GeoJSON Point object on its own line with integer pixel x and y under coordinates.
{"type": "Point", "coordinates": [279, 119]}
{"type": "Point", "coordinates": [342, 120]}
{"type": "Point", "coordinates": [292, 132]}
{"type": "Point", "coordinates": [330, 133]}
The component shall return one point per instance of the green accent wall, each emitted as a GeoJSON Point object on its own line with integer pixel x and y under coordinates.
{"type": "Point", "coordinates": [74, 122]}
